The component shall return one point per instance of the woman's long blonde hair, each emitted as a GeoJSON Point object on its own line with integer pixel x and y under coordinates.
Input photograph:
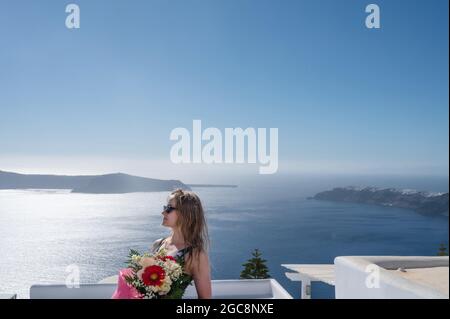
{"type": "Point", "coordinates": [192, 222]}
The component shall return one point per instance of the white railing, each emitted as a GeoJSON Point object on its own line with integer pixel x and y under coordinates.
{"type": "Point", "coordinates": [221, 289]}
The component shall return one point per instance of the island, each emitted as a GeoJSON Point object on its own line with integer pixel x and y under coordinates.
{"type": "Point", "coordinates": [116, 183]}
{"type": "Point", "coordinates": [419, 201]}
{"type": "Point", "coordinates": [212, 185]}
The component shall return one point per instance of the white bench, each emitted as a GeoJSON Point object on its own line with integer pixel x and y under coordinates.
{"type": "Point", "coordinates": [221, 289]}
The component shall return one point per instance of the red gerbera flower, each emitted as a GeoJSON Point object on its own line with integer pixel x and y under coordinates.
{"type": "Point", "coordinates": [153, 275]}
{"type": "Point", "coordinates": [164, 258]}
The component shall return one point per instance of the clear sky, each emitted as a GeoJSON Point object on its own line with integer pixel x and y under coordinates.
{"type": "Point", "coordinates": [105, 97]}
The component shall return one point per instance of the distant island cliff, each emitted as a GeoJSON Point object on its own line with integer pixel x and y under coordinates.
{"type": "Point", "coordinates": [422, 202]}
{"type": "Point", "coordinates": [95, 184]}
{"type": "Point", "coordinates": [213, 185]}
{"type": "Point", "coordinates": [122, 183]}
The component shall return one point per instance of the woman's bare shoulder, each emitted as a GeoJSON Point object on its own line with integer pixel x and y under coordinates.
{"type": "Point", "coordinates": [197, 258]}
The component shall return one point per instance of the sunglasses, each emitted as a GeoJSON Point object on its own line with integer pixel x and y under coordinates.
{"type": "Point", "coordinates": [168, 209]}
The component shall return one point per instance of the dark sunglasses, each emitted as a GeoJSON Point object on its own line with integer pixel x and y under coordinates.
{"type": "Point", "coordinates": [168, 209]}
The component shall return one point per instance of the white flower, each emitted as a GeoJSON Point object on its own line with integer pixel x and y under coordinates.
{"type": "Point", "coordinates": [165, 287]}
{"type": "Point", "coordinates": [155, 289]}
{"type": "Point", "coordinates": [173, 269]}
{"type": "Point", "coordinates": [135, 258]}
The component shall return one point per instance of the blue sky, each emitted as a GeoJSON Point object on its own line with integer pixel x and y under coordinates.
{"type": "Point", "coordinates": [345, 99]}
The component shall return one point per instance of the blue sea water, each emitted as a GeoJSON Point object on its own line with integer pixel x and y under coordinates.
{"type": "Point", "coordinates": [42, 232]}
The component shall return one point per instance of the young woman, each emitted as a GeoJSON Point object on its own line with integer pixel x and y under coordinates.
{"type": "Point", "coordinates": [188, 239]}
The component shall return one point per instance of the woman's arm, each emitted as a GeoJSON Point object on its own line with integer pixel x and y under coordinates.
{"type": "Point", "coordinates": [202, 276]}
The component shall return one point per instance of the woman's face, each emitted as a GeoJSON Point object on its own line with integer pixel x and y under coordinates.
{"type": "Point", "coordinates": [170, 218]}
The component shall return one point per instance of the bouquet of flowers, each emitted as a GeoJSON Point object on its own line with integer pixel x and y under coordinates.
{"type": "Point", "coordinates": [157, 276]}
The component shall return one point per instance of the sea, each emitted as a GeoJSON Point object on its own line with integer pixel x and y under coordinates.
{"type": "Point", "coordinates": [46, 234]}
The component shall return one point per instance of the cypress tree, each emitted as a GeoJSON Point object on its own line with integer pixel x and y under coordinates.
{"type": "Point", "coordinates": [442, 250]}
{"type": "Point", "coordinates": [255, 268]}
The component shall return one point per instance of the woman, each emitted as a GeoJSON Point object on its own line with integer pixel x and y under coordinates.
{"type": "Point", "coordinates": [188, 240]}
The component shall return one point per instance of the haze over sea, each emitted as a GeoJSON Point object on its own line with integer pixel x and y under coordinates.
{"type": "Point", "coordinates": [44, 231]}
